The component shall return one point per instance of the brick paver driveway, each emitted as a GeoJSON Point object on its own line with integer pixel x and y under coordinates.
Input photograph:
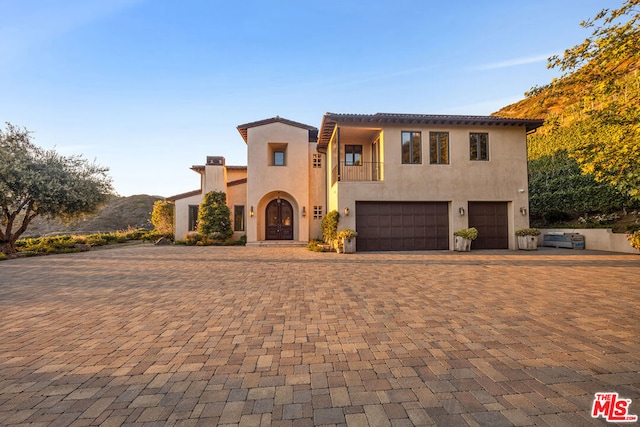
{"type": "Point", "coordinates": [148, 335]}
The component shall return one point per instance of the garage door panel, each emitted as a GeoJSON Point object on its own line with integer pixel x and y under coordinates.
{"type": "Point", "coordinates": [394, 226]}
{"type": "Point", "coordinates": [491, 220]}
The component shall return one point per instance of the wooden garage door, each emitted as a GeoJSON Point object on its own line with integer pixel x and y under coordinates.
{"type": "Point", "coordinates": [402, 226]}
{"type": "Point", "coordinates": [490, 218]}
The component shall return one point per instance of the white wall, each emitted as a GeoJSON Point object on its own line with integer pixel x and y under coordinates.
{"type": "Point", "coordinates": [182, 214]}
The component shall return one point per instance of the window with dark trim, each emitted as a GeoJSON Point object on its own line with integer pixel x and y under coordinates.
{"type": "Point", "coordinates": [278, 154]}
{"type": "Point", "coordinates": [411, 147]}
{"type": "Point", "coordinates": [278, 158]}
{"type": "Point", "coordinates": [439, 148]}
{"type": "Point", "coordinates": [238, 218]}
{"type": "Point", "coordinates": [353, 155]}
{"type": "Point", "coordinates": [193, 217]}
{"type": "Point", "coordinates": [478, 146]}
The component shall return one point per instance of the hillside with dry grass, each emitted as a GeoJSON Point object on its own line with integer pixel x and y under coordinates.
{"type": "Point", "coordinates": [119, 213]}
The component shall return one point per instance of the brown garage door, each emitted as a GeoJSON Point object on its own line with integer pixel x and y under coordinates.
{"type": "Point", "coordinates": [490, 219]}
{"type": "Point", "coordinates": [402, 226]}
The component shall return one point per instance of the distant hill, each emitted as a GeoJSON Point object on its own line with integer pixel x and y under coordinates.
{"type": "Point", "coordinates": [119, 213]}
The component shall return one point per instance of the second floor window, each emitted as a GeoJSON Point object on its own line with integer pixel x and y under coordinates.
{"type": "Point", "coordinates": [353, 155]}
{"type": "Point", "coordinates": [439, 147]}
{"type": "Point", "coordinates": [278, 158]}
{"type": "Point", "coordinates": [479, 146]}
{"type": "Point", "coordinates": [411, 147]}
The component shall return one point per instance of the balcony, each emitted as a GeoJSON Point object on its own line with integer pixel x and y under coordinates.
{"type": "Point", "coordinates": [362, 171]}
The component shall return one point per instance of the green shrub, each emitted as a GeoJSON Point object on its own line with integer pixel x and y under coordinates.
{"type": "Point", "coordinates": [195, 238]}
{"type": "Point", "coordinates": [632, 228]}
{"type": "Point", "coordinates": [136, 234]}
{"type": "Point", "coordinates": [560, 190]}
{"type": "Point", "coordinates": [528, 232]}
{"type": "Point", "coordinates": [347, 234]}
{"type": "Point", "coordinates": [555, 216]}
{"type": "Point", "coordinates": [634, 239]}
{"type": "Point", "coordinates": [95, 240]}
{"type": "Point", "coordinates": [214, 216]}
{"type": "Point", "coordinates": [46, 245]}
{"type": "Point", "coordinates": [467, 233]}
{"type": "Point", "coordinates": [330, 226]}
{"type": "Point", "coordinates": [162, 217]}
{"type": "Point", "coordinates": [315, 245]}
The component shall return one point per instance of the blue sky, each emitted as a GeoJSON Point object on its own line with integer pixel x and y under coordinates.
{"type": "Point", "coordinates": [150, 87]}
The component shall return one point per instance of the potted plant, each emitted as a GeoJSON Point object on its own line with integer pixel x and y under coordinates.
{"type": "Point", "coordinates": [528, 239]}
{"type": "Point", "coordinates": [463, 239]}
{"type": "Point", "coordinates": [348, 239]}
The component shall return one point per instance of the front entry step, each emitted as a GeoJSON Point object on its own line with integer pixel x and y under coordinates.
{"type": "Point", "coordinates": [278, 244]}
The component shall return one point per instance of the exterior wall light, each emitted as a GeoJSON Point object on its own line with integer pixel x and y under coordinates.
{"type": "Point", "coordinates": [251, 211]}
{"type": "Point", "coordinates": [461, 211]}
{"type": "Point", "coordinates": [304, 211]}
{"type": "Point", "coordinates": [523, 210]}
{"type": "Point", "coordinates": [346, 211]}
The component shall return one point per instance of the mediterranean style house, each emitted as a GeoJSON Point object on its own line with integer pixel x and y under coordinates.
{"type": "Point", "coordinates": [402, 181]}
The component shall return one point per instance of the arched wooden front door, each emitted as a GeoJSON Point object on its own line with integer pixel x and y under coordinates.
{"type": "Point", "coordinates": [279, 220]}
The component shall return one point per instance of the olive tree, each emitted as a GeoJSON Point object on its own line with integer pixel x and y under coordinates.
{"type": "Point", "coordinates": [162, 216]}
{"type": "Point", "coordinates": [37, 182]}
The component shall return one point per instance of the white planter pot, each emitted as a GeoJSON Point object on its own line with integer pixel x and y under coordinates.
{"type": "Point", "coordinates": [528, 243]}
{"type": "Point", "coordinates": [349, 245]}
{"type": "Point", "coordinates": [461, 244]}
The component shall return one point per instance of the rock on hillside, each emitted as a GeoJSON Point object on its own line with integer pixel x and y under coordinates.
{"type": "Point", "coordinates": [119, 213]}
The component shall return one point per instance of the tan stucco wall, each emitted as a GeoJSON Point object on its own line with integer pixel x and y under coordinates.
{"type": "Point", "coordinates": [237, 195]}
{"type": "Point", "coordinates": [215, 178]}
{"type": "Point", "coordinates": [236, 174]}
{"type": "Point", "coordinates": [264, 182]}
{"type": "Point", "coordinates": [503, 178]}
{"type": "Point", "coordinates": [317, 191]}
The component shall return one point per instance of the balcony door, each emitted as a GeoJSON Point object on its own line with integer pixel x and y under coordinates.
{"type": "Point", "coordinates": [279, 214]}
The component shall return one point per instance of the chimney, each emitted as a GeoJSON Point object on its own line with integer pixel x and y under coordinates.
{"type": "Point", "coordinates": [215, 161]}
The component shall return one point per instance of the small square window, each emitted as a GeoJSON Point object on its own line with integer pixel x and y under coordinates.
{"type": "Point", "coordinates": [278, 158]}
{"type": "Point", "coordinates": [317, 161]}
{"type": "Point", "coordinates": [317, 212]}
{"type": "Point", "coordinates": [277, 154]}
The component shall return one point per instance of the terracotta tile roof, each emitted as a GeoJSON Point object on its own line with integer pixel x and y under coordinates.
{"type": "Point", "coordinates": [330, 120]}
{"type": "Point", "coordinates": [183, 195]}
{"type": "Point", "coordinates": [200, 168]}
{"type": "Point", "coordinates": [243, 129]}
